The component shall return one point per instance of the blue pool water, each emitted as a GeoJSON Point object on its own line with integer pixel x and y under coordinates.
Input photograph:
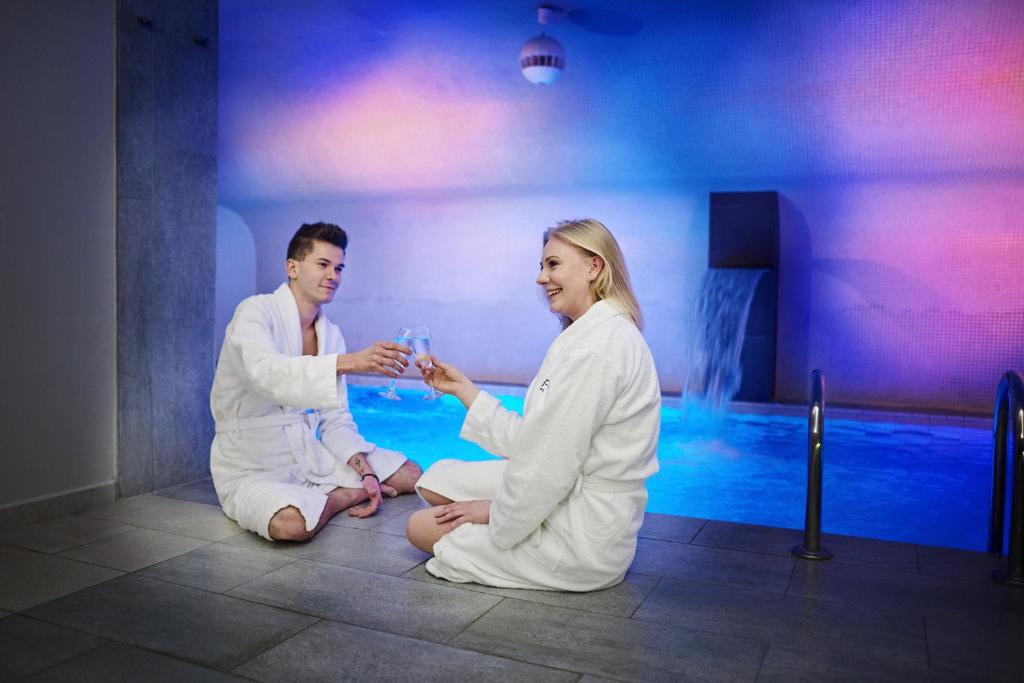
{"type": "Point", "coordinates": [902, 482]}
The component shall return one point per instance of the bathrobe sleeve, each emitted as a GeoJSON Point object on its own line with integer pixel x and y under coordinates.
{"type": "Point", "coordinates": [338, 430]}
{"type": "Point", "coordinates": [298, 381]}
{"type": "Point", "coordinates": [550, 444]}
{"type": "Point", "coordinates": [490, 425]}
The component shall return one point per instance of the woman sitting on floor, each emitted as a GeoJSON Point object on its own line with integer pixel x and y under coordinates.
{"type": "Point", "coordinates": [563, 510]}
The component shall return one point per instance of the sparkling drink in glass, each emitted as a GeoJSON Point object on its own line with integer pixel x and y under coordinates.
{"type": "Point", "coordinates": [403, 337]}
{"type": "Point", "coordinates": [421, 351]}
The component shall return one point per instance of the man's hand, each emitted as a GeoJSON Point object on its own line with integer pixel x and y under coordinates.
{"type": "Point", "coordinates": [371, 484]}
{"type": "Point", "coordinates": [475, 511]}
{"type": "Point", "coordinates": [384, 358]}
{"type": "Point", "coordinates": [373, 489]}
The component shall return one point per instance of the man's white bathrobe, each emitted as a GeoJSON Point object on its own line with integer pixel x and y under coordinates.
{"type": "Point", "coordinates": [569, 500]}
{"type": "Point", "coordinates": [284, 430]}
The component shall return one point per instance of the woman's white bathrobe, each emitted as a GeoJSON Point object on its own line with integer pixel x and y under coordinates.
{"type": "Point", "coordinates": [569, 500]}
{"type": "Point", "coordinates": [284, 430]}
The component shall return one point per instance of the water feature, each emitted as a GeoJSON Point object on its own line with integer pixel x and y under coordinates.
{"type": "Point", "coordinates": [713, 372]}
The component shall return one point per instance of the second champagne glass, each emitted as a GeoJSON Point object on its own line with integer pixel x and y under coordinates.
{"type": "Point", "coordinates": [421, 349]}
{"type": "Point", "coordinates": [403, 337]}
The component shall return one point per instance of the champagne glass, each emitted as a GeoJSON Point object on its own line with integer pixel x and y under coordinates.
{"type": "Point", "coordinates": [403, 337]}
{"type": "Point", "coordinates": [421, 349]}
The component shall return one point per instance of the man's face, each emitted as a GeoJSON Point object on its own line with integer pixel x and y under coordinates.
{"type": "Point", "coordinates": [316, 277]}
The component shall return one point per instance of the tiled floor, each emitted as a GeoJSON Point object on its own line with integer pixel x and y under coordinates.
{"type": "Point", "coordinates": [163, 587]}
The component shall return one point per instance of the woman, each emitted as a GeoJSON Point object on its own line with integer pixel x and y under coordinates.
{"type": "Point", "coordinates": [563, 511]}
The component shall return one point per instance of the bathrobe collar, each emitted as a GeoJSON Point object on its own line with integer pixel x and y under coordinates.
{"type": "Point", "coordinates": [285, 301]}
{"type": "Point", "coordinates": [599, 313]}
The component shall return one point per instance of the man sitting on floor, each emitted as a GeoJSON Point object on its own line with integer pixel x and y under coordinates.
{"type": "Point", "coordinates": [287, 455]}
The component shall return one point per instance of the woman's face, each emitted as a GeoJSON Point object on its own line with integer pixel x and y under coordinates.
{"type": "Point", "coordinates": [565, 275]}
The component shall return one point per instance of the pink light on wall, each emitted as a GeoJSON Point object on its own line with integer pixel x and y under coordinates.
{"type": "Point", "coordinates": [389, 131]}
{"type": "Point", "coordinates": [907, 87]}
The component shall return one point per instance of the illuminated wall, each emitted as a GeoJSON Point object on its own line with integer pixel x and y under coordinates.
{"type": "Point", "coordinates": [893, 130]}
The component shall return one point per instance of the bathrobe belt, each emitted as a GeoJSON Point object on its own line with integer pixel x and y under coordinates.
{"type": "Point", "coordinates": [595, 483]}
{"type": "Point", "coordinates": [311, 455]}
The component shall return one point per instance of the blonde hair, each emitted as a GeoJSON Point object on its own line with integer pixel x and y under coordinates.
{"type": "Point", "coordinates": [612, 283]}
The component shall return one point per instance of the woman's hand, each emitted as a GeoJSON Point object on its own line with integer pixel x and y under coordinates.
{"type": "Point", "coordinates": [475, 511]}
{"type": "Point", "coordinates": [384, 358]}
{"type": "Point", "coordinates": [448, 379]}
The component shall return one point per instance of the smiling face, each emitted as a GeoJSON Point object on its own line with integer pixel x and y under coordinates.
{"type": "Point", "coordinates": [316, 277]}
{"type": "Point", "coordinates": [565, 274]}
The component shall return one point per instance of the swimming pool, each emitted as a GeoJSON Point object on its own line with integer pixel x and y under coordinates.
{"type": "Point", "coordinates": [892, 480]}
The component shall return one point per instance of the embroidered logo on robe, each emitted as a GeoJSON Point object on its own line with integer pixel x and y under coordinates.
{"type": "Point", "coordinates": [544, 385]}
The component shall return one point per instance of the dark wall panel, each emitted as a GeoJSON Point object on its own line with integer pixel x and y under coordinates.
{"type": "Point", "coordinates": [744, 233]}
{"type": "Point", "coordinates": [166, 231]}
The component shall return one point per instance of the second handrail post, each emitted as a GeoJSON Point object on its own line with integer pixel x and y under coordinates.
{"type": "Point", "coordinates": [1009, 414]}
{"type": "Point", "coordinates": [811, 548]}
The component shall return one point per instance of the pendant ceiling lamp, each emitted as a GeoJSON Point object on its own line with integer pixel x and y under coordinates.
{"type": "Point", "coordinates": [542, 59]}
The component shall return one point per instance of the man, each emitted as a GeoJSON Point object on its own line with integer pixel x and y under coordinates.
{"type": "Point", "coordinates": [287, 455]}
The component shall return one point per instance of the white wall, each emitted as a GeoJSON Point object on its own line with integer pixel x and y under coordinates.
{"type": "Point", "coordinates": [57, 284]}
{"type": "Point", "coordinates": [236, 270]}
{"type": "Point", "coordinates": [465, 267]}
{"type": "Point", "coordinates": [902, 292]}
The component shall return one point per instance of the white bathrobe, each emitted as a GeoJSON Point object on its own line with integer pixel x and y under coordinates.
{"type": "Point", "coordinates": [569, 500]}
{"type": "Point", "coordinates": [284, 430]}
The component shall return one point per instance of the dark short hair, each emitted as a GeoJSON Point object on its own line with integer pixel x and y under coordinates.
{"type": "Point", "coordinates": [302, 241]}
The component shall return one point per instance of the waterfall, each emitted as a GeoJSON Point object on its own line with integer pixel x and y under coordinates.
{"type": "Point", "coordinates": [713, 371]}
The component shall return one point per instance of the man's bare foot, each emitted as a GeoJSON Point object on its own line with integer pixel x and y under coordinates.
{"type": "Point", "coordinates": [405, 478]}
{"type": "Point", "coordinates": [343, 499]}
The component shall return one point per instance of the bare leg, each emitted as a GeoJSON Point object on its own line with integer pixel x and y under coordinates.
{"type": "Point", "coordinates": [288, 524]}
{"type": "Point", "coordinates": [434, 498]}
{"type": "Point", "coordinates": [404, 479]}
{"type": "Point", "coordinates": [423, 531]}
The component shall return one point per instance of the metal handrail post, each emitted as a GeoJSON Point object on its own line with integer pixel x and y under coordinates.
{"type": "Point", "coordinates": [997, 513]}
{"type": "Point", "coordinates": [1009, 412]}
{"type": "Point", "coordinates": [811, 548]}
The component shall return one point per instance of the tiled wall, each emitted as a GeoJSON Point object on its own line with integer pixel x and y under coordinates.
{"type": "Point", "coordinates": [166, 228]}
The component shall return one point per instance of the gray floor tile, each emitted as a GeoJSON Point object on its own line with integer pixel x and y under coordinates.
{"type": "Point", "coordinates": [902, 592]}
{"type": "Point", "coordinates": [399, 506]}
{"type": "Point", "coordinates": [670, 527]}
{"type": "Point", "coordinates": [200, 491]}
{"type": "Point", "coordinates": [621, 600]}
{"type": "Point", "coordinates": [134, 549]}
{"type": "Point", "coordinates": [940, 675]}
{"type": "Point", "coordinates": [60, 534]}
{"type": "Point", "coordinates": [699, 563]}
{"type": "Point", "coordinates": [28, 646]}
{"type": "Point", "coordinates": [785, 665]}
{"type": "Point", "coordinates": [978, 649]}
{"type": "Point", "coordinates": [377, 601]}
{"type": "Point", "coordinates": [361, 549]}
{"type": "Point", "coordinates": [251, 541]}
{"type": "Point", "coordinates": [119, 662]}
{"type": "Point", "coordinates": [167, 514]}
{"type": "Point", "coordinates": [775, 541]}
{"type": "Point", "coordinates": [395, 525]}
{"type": "Point", "coordinates": [29, 578]}
{"type": "Point", "coordinates": [216, 567]}
{"type": "Point", "coordinates": [53, 508]}
{"type": "Point", "coordinates": [205, 628]}
{"type": "Point", "coordinates": [406, 502]}
{"type": "Point", "coordinates": [957, 564]}
{"type": "Point", "coordinates": [608, 646]}
{"type": "Point", "coordinates": [787, 621]}
{"type": "Point", "coordinates": [322, 651]}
